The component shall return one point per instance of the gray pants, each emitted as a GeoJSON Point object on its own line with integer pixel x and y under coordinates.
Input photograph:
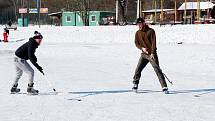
{"type": "Point", "coordinates": [22, 65]}
{"type": "Point", "coordinates": [143, 61]}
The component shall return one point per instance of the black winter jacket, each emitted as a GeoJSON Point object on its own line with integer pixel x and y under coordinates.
{"type": "Point", "coordinates": [27, 50]}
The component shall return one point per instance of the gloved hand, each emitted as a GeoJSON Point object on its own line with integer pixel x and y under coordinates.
{"type": "Point", "coordinates": [41, 70]}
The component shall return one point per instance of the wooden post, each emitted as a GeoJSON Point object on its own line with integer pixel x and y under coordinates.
{"type": "Point", "coordinates": [208, 11]}
{"type": "Point", "coordinates": [185, 12]}
{"type": "Point", "coordinates": [198, 10]}
{"type": "Point", "coordinates": [155, 2]}
{"type": "Point", "coordinates": [175, 11]}
{"type": "Point", "coordinates": [140, 8]}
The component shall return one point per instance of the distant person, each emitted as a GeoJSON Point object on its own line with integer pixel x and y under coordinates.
{"type": "Point", "coordinates": [5, 35]}
{"type": "Point", "coordinates": [22, 54]}
{"type": "Point", "coordinates": [7, 30]}
{"type": "Point", "coordinates": [10, 23]}
{"type": "Point", "coordinates": [145, 41]}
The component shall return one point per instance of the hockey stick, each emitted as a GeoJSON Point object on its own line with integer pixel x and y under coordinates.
{"type": "Point", "coordinates": [167, 78]}
{"type": "Point", "coordinates": [153, 61]}
{"type": "Point", "coordinates": [163, 73]}
{"type": "Point", "coordinates": [50, 83]}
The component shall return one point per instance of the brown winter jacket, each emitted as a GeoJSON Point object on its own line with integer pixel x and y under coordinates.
{"type": "Point", "coordinates": [146, 38]}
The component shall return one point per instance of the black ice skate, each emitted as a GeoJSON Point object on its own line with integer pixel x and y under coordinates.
{"type": "Point", "coordinates": [165, 90]}
{"type": "Point", "coordinates": [31, 89]}
{"type": "Point", "coordinates": [135, 87]}
{"type": "Point", "coordinates": [14, 89]}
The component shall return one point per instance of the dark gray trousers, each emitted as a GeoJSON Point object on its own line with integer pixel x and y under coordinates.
{"type": "Point", "coordinates": [143, 61]}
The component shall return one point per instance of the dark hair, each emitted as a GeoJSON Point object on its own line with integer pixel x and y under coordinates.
{"type": "Point", "coordinates": [38, 36]}
{"type": "Point", "coordinates": [140, 20]}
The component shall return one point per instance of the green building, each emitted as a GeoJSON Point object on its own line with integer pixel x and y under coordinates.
{"type": "Point", "coordinates": [97, 18]}
{"type": "Point", "coordinates": [68, 19]}
{"type": "Point", "coordinates": [22, 22]}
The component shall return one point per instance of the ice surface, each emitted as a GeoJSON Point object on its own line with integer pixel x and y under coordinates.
{"type": "Point", "coordinates": [96, 65]}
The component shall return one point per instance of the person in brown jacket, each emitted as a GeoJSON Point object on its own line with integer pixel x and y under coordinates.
{"type": "Point", "coordinates": [145, 40]}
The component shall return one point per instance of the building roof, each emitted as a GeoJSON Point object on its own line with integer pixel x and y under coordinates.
{"type": "Point", "coordinates": [193, 5]}
{"type": "Point", "coordinates": [157, 10]}
{"type": "Point", "coordinates": [55, 14]}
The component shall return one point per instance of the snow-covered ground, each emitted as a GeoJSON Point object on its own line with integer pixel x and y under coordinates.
{"type": "Point", "coordinates": [96, 65]}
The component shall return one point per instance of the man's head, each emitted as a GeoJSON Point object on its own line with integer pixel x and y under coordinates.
{"type": "Point", "coordinates": [38, 37]}
{"type": "Point", "coordinates": [141, 23]}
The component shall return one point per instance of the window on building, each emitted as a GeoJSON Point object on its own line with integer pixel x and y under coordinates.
{"type": "Point", "coordinates": [93, 18]}
{"type": "Point", "coordinates": [68, 18]}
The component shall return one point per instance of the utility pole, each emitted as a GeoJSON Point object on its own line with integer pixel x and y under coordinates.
{"type": "Point", "coordinates": [117, 10]}
{"type": "Point", "coordinates": [138, 8]}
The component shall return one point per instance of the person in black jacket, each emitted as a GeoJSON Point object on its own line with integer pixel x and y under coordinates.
{"type": "Point", "coordinates": [22, 54]}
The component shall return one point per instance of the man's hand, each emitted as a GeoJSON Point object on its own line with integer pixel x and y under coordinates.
{"type": "Point", "coordinates": [144, 50]}
{"type": "Point", "coordinates": [152, 56]}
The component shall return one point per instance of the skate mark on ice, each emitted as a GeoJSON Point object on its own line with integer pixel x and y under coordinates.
{"type": "Point", "coordinates": [39, 94]}
{"type": "Point", "coordinates": [204, 93]}
{"type": "Point", "coordinates": [201, 91]}
{"type": "Point", "coordinates": [101, 92]}
{"type": "Point", "coordinates": [92, 93]}
{"type": "Point", "coordinates": [147, 91]}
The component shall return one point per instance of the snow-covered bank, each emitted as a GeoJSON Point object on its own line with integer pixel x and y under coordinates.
{"type": "Point", "coordinates": [197, 34]}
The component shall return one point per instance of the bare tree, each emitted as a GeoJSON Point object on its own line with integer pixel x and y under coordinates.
{"type": "Point", "coordinates": [123, 9]}
{"type": "Point", "coordinates": [213, 13]}
{"type": "Point", "coordinates": [82, 7]}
